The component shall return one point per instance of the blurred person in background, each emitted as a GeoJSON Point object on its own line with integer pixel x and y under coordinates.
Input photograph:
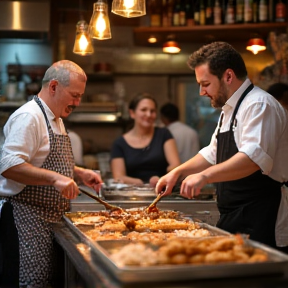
{"type": "Point", "coordinates": [187, 139]}
{"type": "Point", "coordinates": [145, 152]}
{"type": "Point", "coordinates": [248, 152]}
{"type": "Point", "coordinates": [37, 174]}
{"type": "Point", "coordinates": [280, 92]}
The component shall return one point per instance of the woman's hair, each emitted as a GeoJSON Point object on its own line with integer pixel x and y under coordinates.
{"type": "Point", "coordinates": [135, 101]}
{"type": "Point", "coordinates": [219, 56]}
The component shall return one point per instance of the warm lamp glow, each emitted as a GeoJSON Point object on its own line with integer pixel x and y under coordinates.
{"type": "Point", "coordinates": [82, 44]}
{"type": "Point", "coordinates": [256, 45]}
{"type": "Point", "coordinates": [99, 27]}
{"type": "Point", "coordinates": [129, 8]}
{"type": "Point", "coordinates": [171, 47]}
{"type": "Point", "coordinates": [152, 39]}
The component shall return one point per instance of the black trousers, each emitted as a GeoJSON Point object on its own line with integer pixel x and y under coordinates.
{"type": "Point", "coordinates": [9, 249]}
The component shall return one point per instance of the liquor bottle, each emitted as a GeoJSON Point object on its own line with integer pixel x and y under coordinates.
{"type": "Point", "coordinates": [255, 11]}
{"type": "Point", "coordinates": [209, 13]}
{"type": "Point", "coordinates": [197, 12]}
{"type": "Point", "coordinates": [176, 13]}
{"type": "Point", "coordinates": [230, 13]}
{"type": "Point", "coordinates": [280, 14]}
{"type": "Point", "coordinates": [155, 13]}
{"type": "Point", "coordinates": [217, 13]}
{"type": "Point", "coordinates": [182, 14]}
{"type": "Point", "coordinates": [271, 11]}
{"type": "Point", "coordinates": [170, 6]}
{"type": "Point", "coordinates": [202, 13]}
{"type": "Point", "coordinates": [239, 11]}
{"type": "Point", "coordinates": [164, 13]}
{"type": "Point", "coordinates": [248, 14]}
{"type": "Point", "coordinates": [189, 13]}
{"type": "Point", "coordinates": [263, 11]}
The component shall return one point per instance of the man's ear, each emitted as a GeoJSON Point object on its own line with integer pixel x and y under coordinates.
{"type": "Point", "coordinates": [229, 74]}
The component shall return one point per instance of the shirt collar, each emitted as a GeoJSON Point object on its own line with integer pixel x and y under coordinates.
{"type": "Point", "coordinates": [232, 101]}
{"type": "Point", "coordinates": [48, 111]}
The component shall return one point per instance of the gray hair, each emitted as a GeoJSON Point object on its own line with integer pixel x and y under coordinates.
{"type": "Point", "coordinates": [63, 71]}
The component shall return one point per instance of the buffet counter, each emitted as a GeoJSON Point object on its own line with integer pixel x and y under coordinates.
{"type": "Point", "coordinates": [84, 270]}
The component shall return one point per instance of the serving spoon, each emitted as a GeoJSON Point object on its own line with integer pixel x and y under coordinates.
{"type": "Point", "coordinates": [106, 204]}
{"type": "Point", "coordinates": [152, 207]}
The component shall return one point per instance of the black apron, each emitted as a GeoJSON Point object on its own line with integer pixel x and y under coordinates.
{"type": "Point", "coordinates": [248, 205]}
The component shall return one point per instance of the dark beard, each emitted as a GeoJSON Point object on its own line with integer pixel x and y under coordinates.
{"type": "Point", "coordinates": [221, 99]}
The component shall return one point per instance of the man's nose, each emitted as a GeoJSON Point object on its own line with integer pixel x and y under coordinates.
{"type": "Point", "coordinates": [202, 91]}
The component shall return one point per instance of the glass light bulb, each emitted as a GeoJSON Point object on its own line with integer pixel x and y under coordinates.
{"type": "Point", "coordinates": [99, 27]}
{"type": "Point", "coordinates": [82, 44]}
{"type": "Point", "coordinates": [129, 8]}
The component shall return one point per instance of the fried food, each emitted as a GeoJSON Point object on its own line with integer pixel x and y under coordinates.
{"type": "Point", "coordinates": [212, 250]}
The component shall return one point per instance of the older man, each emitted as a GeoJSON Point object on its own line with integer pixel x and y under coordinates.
{"type": "Point", "coordinates": [38, 169]}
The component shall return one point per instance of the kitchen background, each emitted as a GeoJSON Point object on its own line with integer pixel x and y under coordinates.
{"type": "Point", "coordinates": [119, 68]}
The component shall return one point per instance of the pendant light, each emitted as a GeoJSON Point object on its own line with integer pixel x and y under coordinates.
{"type": "Point", "coordinates": [82, 44]}
{"type": "Point", "coordinates": [171, 46]}
{"type": "Point", "coordinates": [129, 8]}
{"type": "Point", "coordinates": [99, 26]}
{"type": "Point", "coordinates": [255, 45]}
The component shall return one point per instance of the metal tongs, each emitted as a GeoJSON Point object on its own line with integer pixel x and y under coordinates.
{"type": "Point", "coordinates": [106, 204]}
{"type": "Point", "coordinates": [152, 207]}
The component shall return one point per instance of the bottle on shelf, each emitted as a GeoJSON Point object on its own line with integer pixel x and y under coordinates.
{"type": "Point", "coordinates": [280, 12]}
{"type": "Point", "coordinates": [209, 12]}
{"type": "Point", "coordinates": [202, 19]}
{"type": "Point", "coordinates": [271, 11]}
{"type": "Point", "coordinates": [176, 13]}
{"type": "Point", "coordinates": [182, 14]}
{"type": "Point", "coordinates": [230, 12]}
{"type": "Point", "coordinates": [248, 11]}
{"type": "Point", "coordinates": [189, 9]}
{"type": "Point", "coordinates": [170, 6]}
{"type": "Point", "coordinates": [239, 11]}
{"type": "Point", "coordinates": [255, 11]}
{"type": "Point", "coordinates": [155, 13]}
{"type": "Point", "coordinates": [165, 13]}
{"type": "Point", "coordinates": [263, 11]}
{"type": "Point", "coordinates": [197, 12]}
{"type": "Point", "coordinates": [217, 13]}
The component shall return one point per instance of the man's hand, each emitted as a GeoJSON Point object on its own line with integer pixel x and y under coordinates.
{"type": "Point", "coordinates": [89, 178]}
{"type": "Point", "coordinates": [166, 183]}
{"type": "Point", "coordinates": [191, 186]}
{"type": "Point", "coordinates": [67, 187]}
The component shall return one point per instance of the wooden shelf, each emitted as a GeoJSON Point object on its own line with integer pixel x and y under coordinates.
{"type": "Point", "coordinates": [207, 33]}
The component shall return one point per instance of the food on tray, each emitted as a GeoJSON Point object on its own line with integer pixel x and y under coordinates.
{"type": "Point", "coordinates": [209, 250]}
{"type": "Point", "coordinates": [136, 224]}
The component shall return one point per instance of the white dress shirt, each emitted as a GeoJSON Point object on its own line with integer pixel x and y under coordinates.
{"type": "Point", "coordinates": [261, 131]}
{"type": "Point", "coordinates": [186, 138]}
{"type": "Point", "coordinates": [26, 140]}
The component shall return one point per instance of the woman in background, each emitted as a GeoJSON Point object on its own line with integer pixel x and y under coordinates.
{"type": "Point", "coordinates": [145, 152]}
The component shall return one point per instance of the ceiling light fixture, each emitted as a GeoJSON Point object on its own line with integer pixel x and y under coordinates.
{"type": "Point", "coordinates": [82, 44]}
{"type": "Point", "coordinates": [255, 45]}
{"type": "Point", "coordinates": [129, 8]}
{"type": "Point", "coordinates": [99, 26]}
{"type": "Point", "coordinates": [171, 46]}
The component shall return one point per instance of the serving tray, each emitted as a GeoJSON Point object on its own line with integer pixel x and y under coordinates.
{"type": "Point", "coordinates": [277, 264]}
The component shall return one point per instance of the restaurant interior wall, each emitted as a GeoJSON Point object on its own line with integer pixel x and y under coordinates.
{"type": "Point", "coordinates": [137, 68]}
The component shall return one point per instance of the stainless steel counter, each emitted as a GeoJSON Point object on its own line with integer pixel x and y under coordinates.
{"type": "Point", "coordinates": [84, 270]}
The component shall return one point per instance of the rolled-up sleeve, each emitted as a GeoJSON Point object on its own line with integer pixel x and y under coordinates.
{"type": "Point", "coordinates": [21, 141]}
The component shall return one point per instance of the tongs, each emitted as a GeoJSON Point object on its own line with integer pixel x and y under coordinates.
{"type": "Point", "coordinates": [106, 204]}
{"type": "Point", "coordinates": [152, 207]}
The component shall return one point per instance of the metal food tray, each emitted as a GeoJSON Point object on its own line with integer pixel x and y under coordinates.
{"type": "Point", "coordinates": [277, 264]}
